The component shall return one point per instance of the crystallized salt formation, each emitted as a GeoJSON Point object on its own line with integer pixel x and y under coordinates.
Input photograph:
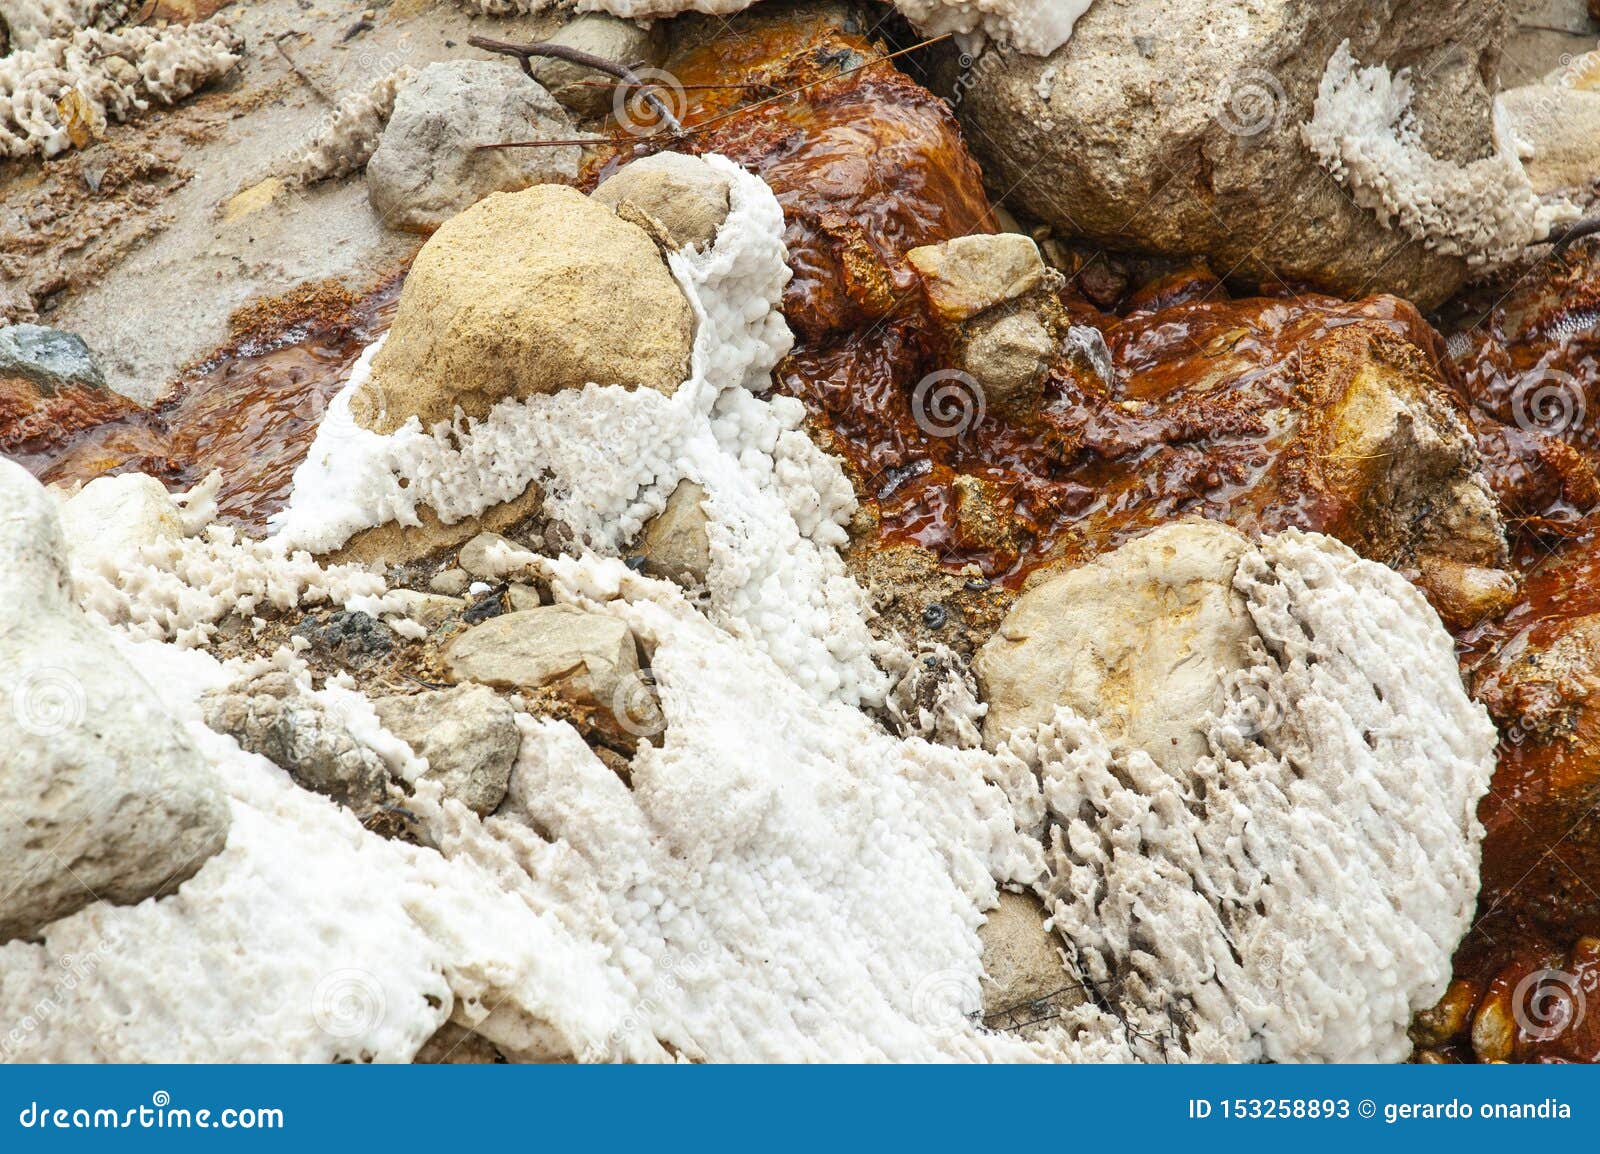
{"type": "Point", "coordinates": [67, 88]}
{"type": "Point", "coordinates": [780, 877]}
{"type": "Point", "coordinates": [1297, 894]}
{"type": "Point", "coordinates": [1363, 132]}
{"type": "Point", "coordinates": [346, 140]}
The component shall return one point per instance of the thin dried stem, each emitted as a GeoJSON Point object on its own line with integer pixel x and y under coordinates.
{"type": "Point", "coordinates": [525, 53]}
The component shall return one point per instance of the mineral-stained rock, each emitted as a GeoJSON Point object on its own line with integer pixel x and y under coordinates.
{"type": "Point", "coordinates": [966, 276]}
{"type": "Point", "coordinates": [1143, 132]}
{"type": "Point", "coordinates": [676, 198]}
{"type": "Point", "coordinates": [588, 658]}
{"type": "Point", "coordinates": [1143, 640]}
{"type": "Point", "coordinates": [675, 544]}
{"type": "Point", "coordinates": [468, 734]}
{"type": "Point", "coordinates": [428, 166]}
{"type": "Point", "coordinates": [527, 293]}
{"type": "Point", "coordinates": [271, 715]}
{"type": "Point", "coordinates": [1542, 847]}
{"type": "Point", "coordinates": [1008, 356]}
{"type": "Point", "coordinates": [102, 794]}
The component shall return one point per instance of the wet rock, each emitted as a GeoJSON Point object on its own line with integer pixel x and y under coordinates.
{"type": "Point", "coordinates": [1142, 640]}
{"type": "Point", "coordinates": [102, 795]}
{"type": "Point", "coordinates": [1008, 356]}
{"type": "Point", "coordinates": [349, 635]}
{"type": "Point", "coordinates": [455, 1045]}
{"type": "Point", "coordinates": [675, 544]}
{"type": "Point", "coordinates": [1028, 984]}
{"type": "Point", "coordinates": [1540, 1008]}
{"type": "Point", "coordinates": [1138, 133]}
{"type": "Point", "coordinates": [48, 357]}
{"type": "Point", "coordinates": [585, 91]}
{"type": "Point", "coordinates": [527, 293]}
{"type": "Point", "coordinates": [468, 735]}
{"type": "Point", "coordinates": [428, 166]}
{"type": "Point", "coordinates": [273, 716]}
{"type": "Point", "coordinates": [587, 658]}
{"type": "Point", "coordinates": [1542, 833]}
{"type": "Point", "coordinates": [678, 199]}
{"type": "Point", "coordinates": [971, 274]}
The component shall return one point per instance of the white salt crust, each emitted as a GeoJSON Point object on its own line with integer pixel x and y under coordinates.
{"type": "Point", "coordinates": [609, 457]}
{"type": "Point", "coordinates": [784, 879]}
{"type": "Point", "coordinates": [346, 139]}
{"type": "Point", "coordinates": [103, 76]}
{"type": "Point", "coordinates": [1364, 134]}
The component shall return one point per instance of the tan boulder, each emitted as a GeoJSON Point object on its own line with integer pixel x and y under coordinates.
{"type": "Point", "coordinates": [526, 294]}
{"type": "Point", "coordinates": [1140, 641]}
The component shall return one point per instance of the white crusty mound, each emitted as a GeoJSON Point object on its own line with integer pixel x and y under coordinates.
{"type": "Point", "coordinates": [1037, 27]}
{"type": "Point", "coordinates": [90, 77]}
{"type": "Point", "coordinates": [1363, 133]}
{"type": "Point", "coordinates": [782, 878]}
{"type": "Point", "coordinates": [610, 457]}
{"type": "Point", "coordinates": [1297, 894]}
{"type": "Point", "coordinates": [347, 138]}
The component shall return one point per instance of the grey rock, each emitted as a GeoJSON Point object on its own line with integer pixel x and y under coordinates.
{"type": "Point", "coordinates": [350, 635]}
{"type": "Point", "coordinates": [678, 199]}
{"type": "Point", "coordinates": [467, 733]}
{"type": "Point", "coordinates": [675, 544]}
{"type": "Point", "coordinates": [48, 357]}
{"type": "Point", "coordinates": [272, 716]}
{"type": "Point", "coordinates": [1172, 126]}
{"type": "Point", "coordinates": [102, 794]}
{"type": "Point", "coordinates": [427, 166]}
{"type": "Point", "coordinates": [608, 37]}
{"type": "Point", "coordinates": [520, 597]}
